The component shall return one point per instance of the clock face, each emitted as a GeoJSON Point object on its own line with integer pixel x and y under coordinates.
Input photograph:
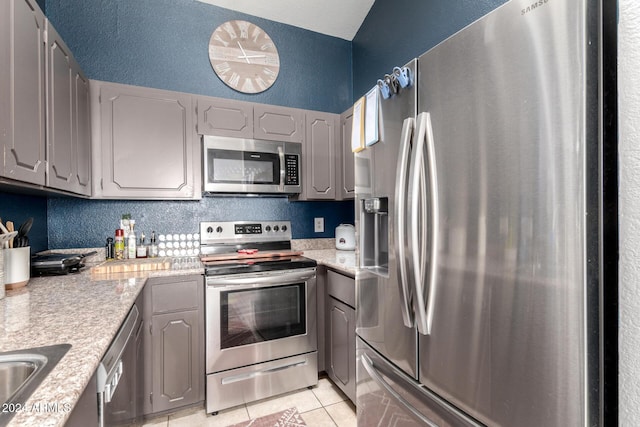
{"type": "Point", "coordinates": [244, 56]}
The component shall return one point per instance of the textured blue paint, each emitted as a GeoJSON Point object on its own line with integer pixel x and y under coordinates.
{"type": "Point", "coordinates": [396, 31]}
{"type": "Point", "coordinates": [17, 208]}
{"type": "Point", "coordinates": [77, 223]}
{"type": "Point", "coordinates": [164, 44]}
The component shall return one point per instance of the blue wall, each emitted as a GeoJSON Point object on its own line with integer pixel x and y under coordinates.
{"type": "Point", "coordinates": [164, 44]}
{"type": "Point", "coordinates": [17, 208]}
{"type": "Point", "coordinates": [77, 223]}
{"type": "Point", "coordinates": [396, 31]}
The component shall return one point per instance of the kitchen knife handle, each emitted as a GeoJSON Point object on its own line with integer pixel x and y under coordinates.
{"type": "Point", "coordinates": [400, 221]}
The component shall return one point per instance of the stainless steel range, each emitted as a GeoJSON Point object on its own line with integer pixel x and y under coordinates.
{"type": "Point", "coordinates": [260, 312]}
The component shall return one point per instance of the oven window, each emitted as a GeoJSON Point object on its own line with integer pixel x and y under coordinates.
{"type": "Point", "coordinates": [243, 167]}
{"type": "Point", "coordinates": [251, 316]}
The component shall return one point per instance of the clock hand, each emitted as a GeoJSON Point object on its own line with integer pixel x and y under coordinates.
{"type": "Point", "coordinates": [243, 53]}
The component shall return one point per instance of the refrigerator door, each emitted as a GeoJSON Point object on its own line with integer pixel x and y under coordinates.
{"type": "Point", "coordinates": [507, 341]}
{"type": "Point", "coordinates": [386, 396]}
{"type": "Point", "coordinates": [384, 317]}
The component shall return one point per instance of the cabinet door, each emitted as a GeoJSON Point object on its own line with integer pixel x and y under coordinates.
{"type": "Point", "coordinates": [346, 161]}
{"type": "Point", "coordinates": [342, 347]}
{"type": "Point", "coordinates": [22, 91]}
{"type": "Point", "coordinates": [82, 132]}
{"type": "Point", "coordinates": [320, 155]}
{"type": "Point", "coordinates": [68, 119]}
{"type": "Point", "coordinates": [176, 375]}
{"type": "Point", "coordinates": [60, 87]}
{"type": "Point", "coordinates": [278, 123]}
{"type": "Point", "coordinates": [147, 143]}
{"type": "Point", "coordinates": [225, 117]}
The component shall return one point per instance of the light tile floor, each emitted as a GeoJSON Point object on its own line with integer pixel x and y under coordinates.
{"type": "Point", "coordinates": [323, 406]}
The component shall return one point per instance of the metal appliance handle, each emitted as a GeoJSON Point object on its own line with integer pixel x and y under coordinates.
{"type": "Point", "coordinates": [400, 220]}
{"type": "Point", "coordinates": [425, 219]}
{"type": "Point", "coordinates": [368, 366]}
{"type": "Point", "coordinates": [262, 279]}
{"type": "Point", "coordinates": [251, 375]}
{"type": "Point", "coordinates": [283, 167]}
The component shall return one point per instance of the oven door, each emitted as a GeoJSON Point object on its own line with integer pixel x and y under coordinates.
{"type": "Point", "coordinates": [253, 318]}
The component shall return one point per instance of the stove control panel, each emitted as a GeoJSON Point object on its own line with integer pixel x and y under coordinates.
{"type": "Point", "coordinates": [244, 231]}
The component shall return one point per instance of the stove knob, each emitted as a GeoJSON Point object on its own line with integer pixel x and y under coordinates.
{"type": "Point", "coordinates": [209, 229]}
{"type": "Point", "coordinates": [267, 228]}
{"type": "Point", "coordinates": [218, 229]}
{"type": "Point", "coordinates": [276, 228]}
{"type": "Point", "coordinates": [284, 228]}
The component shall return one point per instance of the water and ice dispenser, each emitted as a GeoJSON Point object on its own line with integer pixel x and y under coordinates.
{"type": "Point", "coordinates": [374, 234]}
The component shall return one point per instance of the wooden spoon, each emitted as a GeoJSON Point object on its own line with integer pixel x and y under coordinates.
{"type": "Point", "coordinates": [10, 229]}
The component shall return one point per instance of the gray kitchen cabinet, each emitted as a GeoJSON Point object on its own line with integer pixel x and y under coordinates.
{"type": "Point", "coordinates": [145, 146]}
{"type": "Point", "coordinates": [22, 91]}
{"type": "Point", "coordinates": [224, 117]}
{"type": "Point", "coordinates": [68, 119]}
{"type": "Point", "coordinates": [275, 123]}
{"type": "Point", "coordinates": [174, 343]}
{"type": "Point", "coordinates": [345, 177]}
{"type": "Point", "coordinates": [319, 156]}
{"type": "Point", "coordinates": [85, 411]}
{"type": "Point", "coordinates": [340, 352]}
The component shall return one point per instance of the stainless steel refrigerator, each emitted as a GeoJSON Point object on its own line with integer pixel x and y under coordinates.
{"type": "Point", "coordinates": [479, 224]}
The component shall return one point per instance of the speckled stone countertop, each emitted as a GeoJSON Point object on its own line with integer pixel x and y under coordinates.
{"type": "Point", "coordinates": [77, 309]}
{"type": "Point", "coordinates": [342, 261]}
{"type": "Point", "coordinates": [86, 311]}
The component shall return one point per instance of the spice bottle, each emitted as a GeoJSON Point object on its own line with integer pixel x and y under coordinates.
{"type": "Point", "coordinates": [141, 250]}
{"type": "Point", "coordinates": [119, 244]}
{"type": "Point", "coordinates": [131, 245]}
{"type": "Point", "coordinates": [108, 248]}
{"type": "Point", "coordinates": [153, 247]}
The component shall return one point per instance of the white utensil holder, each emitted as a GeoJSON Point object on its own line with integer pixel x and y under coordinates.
{"type": "Point", "coordinates": [17, 267]}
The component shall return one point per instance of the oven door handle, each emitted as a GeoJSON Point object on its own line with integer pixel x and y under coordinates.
{"type": "Point", "coordinates": [261, 279]}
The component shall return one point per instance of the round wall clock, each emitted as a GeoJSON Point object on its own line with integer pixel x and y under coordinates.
{"type": "Point", "coordinates": [244, 56]}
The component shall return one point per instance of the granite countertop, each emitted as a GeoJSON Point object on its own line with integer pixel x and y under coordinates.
{"type": "Point", "coordinates": [76, 309]}
{"type": "Point", "coordinates": [86, 311]}
{"type": "Point", "coordinates": [342, 261]}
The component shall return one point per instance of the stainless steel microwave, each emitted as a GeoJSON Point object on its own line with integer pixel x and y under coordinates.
{"type": "Point", "coordinates": [245, 166]}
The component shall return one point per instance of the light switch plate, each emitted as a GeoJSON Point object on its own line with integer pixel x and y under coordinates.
{"type": "Point", "coordinates": [318, 225]}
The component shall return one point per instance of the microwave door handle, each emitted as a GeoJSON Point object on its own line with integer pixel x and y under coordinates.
{"type": "Point", "coordinates": [404, 278]}
{"type": "Point", "coordinates": [282, 168]}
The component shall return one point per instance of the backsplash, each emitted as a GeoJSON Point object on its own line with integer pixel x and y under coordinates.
{"type": "Point", "coordinates": [81, 223]}
{"type": "Point", "coordinates": [17, 208]}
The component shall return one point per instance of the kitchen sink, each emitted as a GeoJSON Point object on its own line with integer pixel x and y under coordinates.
{"type": "Point", "coordinates": [21, 372]}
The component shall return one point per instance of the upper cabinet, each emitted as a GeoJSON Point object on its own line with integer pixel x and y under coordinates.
{"type": "Point", "coordinates": [44, 103]}
{"type": "Point", "coordinates": [22, 91]}
{"type": "Point", "coordinates": [345, 160]}
{"type": "Point", "coordinates": [145, 143]}
{"type": "Point", "coordinates": [68, 119]}
{"type": "Point", "coordinates": [319, 155]}
{"type": "Point", "coordinates": [278, 123]}
{"type": "Point", "coordinates": [225, 117]}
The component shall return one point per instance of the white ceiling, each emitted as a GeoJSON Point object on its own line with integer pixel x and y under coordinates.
{"type": "Point", "coordinates": [337, 18]}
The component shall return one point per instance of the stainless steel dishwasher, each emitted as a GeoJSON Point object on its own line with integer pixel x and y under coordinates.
{"type": "Point", "coordinates": [117, 373]}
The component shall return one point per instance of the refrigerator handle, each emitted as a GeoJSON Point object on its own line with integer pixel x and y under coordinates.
{"type": "Point", "coordinates": [371, 370]}
{"type": "Point", "coordinates": [424, 216]}
{"type": "Point", "coordinates": [400, 220]}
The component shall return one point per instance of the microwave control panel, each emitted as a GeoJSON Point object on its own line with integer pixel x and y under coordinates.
{"type": "Point", "coordinates": [292, 170]}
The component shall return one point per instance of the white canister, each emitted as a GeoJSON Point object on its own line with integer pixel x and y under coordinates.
{"type": "Point", "coordinates": [1, 273]}
{"type": "Point", "coordinates": [17, 266]}
{"type": "Point", "coordinates": [345, 237]}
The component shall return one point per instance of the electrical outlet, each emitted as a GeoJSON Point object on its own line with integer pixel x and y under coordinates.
{"type": "Point", "coordinates": [318, 225]}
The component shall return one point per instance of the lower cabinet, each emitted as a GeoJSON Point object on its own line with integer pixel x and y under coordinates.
{"type": "Point", "coordinates": [174, 343]}
{"type": "Point", "coordinates": [340, 339]}
{"type": "Point", "coordinates": [85, 412]}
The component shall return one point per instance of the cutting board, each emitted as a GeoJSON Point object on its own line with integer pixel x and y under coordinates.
{"type": "Point", "coordinates": [132, 265]}
{"type": "Point", "coordinates": [259, 254]}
